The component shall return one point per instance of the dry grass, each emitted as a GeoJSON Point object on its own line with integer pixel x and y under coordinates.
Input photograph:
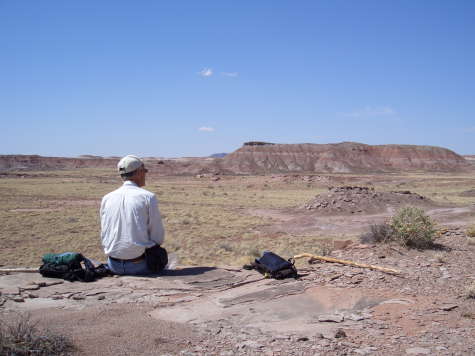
{"type": "Point", "coordinates": [22, 337]}
{"type": "Point", "coordinates": [470, 291]}
{"type": "Point", "coordinates": [470, 231]}
{"type": "Point", "coordinates": [207, 222]}
{"type": "Point", "coordinates": [441, 257]}
{"type": "Point", "coordinates": [379, 233]}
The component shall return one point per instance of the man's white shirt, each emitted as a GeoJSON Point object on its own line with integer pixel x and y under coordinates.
{"type": "Point", "coordinates": [130, 221]}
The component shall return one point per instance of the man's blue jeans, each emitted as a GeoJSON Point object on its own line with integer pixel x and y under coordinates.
{"type": "Point", "coordinates": [129, 268]}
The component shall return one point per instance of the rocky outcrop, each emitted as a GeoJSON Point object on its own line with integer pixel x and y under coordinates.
{"type": "Point", "coordinates": [346, 157]}
{"type": "Point", "coordinates": [363, 200]}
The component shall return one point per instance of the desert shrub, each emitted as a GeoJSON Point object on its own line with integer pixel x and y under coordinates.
{"type": "Point", "coordinates": [324, 249]}
{"type": "Point", "coordinates": [226, 247]}
{"type": "Point", "coordinates": [22, 337]}
{"type": "Point", "coordinates": [470, 291]}
{"type": "Point", "coordinates": [470, 231]}
{"type": "Point", "coordinates": [412, 227]}
{"type": "Point", "coordinates": [440, 257]}
{"type": "Point", "coordinates": [468, 313]}
{"type": "Point", "coordinates": [254, 252]}
{"type": "Point", "coordinates": [378, 233]}
{"type": "Point", "coordinates": [186, 222]}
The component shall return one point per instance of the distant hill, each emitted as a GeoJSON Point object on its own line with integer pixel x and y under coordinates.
{"type": "Point", "coordinates": [470, 159]}
{"type": "Point", "coordinates": [218, 155]}
{"type": "Point", "coordinates": [35, 162]}
{"type": "Point", "coordinates": [346, 157]}
{"type": "Point", "coordinates": [262, 157]}
{"type": "Point", "coordinates": [90, 157]}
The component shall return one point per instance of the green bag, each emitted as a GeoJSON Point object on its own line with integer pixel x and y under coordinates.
{"type": "Point", "coordinates": [66, 258]}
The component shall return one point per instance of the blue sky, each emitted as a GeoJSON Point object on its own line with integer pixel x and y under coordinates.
{"type": "Point", "coordinates": [192, 78]}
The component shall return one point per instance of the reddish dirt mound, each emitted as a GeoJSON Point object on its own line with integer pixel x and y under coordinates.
{"type": "Point", "coordinates": [364, 200]}
{"type": "Point", "coordinates": [346, 157]}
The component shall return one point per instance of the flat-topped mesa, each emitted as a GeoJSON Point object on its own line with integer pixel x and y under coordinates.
{"type": "Point", "coordinates": [345, 157]}
{"type": "Point", "coordinates": [257, 143]}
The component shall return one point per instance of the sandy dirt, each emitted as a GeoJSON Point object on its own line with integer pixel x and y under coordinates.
{"type": "Point", "coordinates": [330, 310]}
{"type": "Point", "coordinates": [295, 221]}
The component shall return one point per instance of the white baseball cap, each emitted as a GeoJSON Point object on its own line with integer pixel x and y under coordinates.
{"type": "Point", "coordinates": [129, 164]}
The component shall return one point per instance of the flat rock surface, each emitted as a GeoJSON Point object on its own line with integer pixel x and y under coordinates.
{"type": "Point", "coordinates": [331, 310]}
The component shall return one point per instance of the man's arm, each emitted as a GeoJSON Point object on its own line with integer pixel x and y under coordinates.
{"type": "Point", "coordinates": [101, 218]}
{"type": "Point", "coordinates": [155, 225]}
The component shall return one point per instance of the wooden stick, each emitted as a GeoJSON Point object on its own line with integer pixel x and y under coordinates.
{"type": "Point", "coordinates": [18, 270]}
{"type": "Point", "coordinates": [345, 262]}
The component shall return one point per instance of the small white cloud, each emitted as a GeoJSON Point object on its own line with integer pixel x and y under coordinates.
{"type": "Point", "coordinates": [371, 111]}
{"type": "Point", "coordinates": [230, 74]}
{"type": "Point", "coordinates": [206, 129]}
{"type": "Point", "coordinates": [206, 72]}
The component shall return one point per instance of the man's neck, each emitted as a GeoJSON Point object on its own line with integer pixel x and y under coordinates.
{"type": "Point", "coordinates": [132, 181]}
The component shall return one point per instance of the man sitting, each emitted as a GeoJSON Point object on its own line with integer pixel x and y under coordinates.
{"type": "Point", "coordinates": [130, 221]}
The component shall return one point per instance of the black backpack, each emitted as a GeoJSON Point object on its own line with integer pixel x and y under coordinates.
{"type": "Point", "coordinates": [68, 266]}
{"type": "Point", "coordinates": [156, 258]}
{"type": "Point", "coordinates": [274, 266]}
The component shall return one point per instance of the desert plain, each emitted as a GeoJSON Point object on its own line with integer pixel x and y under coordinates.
{"type": "Point", "coordinates": [214, 224]}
